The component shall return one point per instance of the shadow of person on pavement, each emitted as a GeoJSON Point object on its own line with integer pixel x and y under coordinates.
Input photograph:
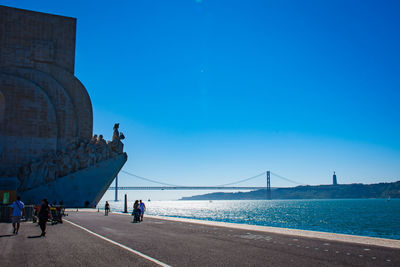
{"type": "Point", "coordinates": [5, 235]}
{"type": "Point", "coordinates": [35, 236]}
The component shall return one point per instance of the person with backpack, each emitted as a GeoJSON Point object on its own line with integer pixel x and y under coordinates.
{"type": "Point", "coordinates": [18, 209]}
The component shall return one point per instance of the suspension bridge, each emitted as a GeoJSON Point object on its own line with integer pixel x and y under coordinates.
{"type": "Point", "coordinates": [227, 186]}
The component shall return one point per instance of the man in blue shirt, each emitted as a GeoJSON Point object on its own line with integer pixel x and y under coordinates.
{"type": "Point", "coordinates": [18, 208]}
{"type": "Point", "coordinates": [142, 210]}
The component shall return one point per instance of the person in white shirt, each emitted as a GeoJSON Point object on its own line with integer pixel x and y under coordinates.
{"type": "Point", "coordinates": [18, 208]}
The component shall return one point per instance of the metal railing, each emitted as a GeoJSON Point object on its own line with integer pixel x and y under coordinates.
{"type": "Point", "coordinates": [6, 212]}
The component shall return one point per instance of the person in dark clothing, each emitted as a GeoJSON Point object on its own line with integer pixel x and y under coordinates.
{"type": "Point", "coordinates": [136, 212]}
{"type": "Point", "coordinates": [44, 215]}
{"type": "Point", "coordinates": [59, 214]}
{"type": "Point", "coordinates": [106, 208]}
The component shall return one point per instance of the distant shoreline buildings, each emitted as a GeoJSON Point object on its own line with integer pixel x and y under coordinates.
{"type": "Point", "coordinates": [341, 191]}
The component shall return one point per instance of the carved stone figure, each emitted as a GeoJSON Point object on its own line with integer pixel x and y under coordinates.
{"type": "Point", "coordinates": [101, 149]}
{"type": "Point", "coordinates": [59, 160]}
{"type": "Point", "coordinates": [101, 141]}
{"type": "Point", "coordinates": [23, 175]}
{"type": "Point", "coordinates": [33, 178]}
{"type": "Point", "coordinates": [116, 145]}
{"type": "Point", "coordinates": [116, 132]}
{"type": "Point", "coordinates": [43, 171]}
{"type": "Point", "coordinates": [74, 163]}
{"type": "Point", "coordinates": [75, 156]}
{"type": "Point", "coordinates": [51, 170]}
{"type": "Point", "coordinates": [82, 156]}
{"type": "Point", "coordinates": [66, 164]}
{"type": "Point", "coordinates": [92, 155]}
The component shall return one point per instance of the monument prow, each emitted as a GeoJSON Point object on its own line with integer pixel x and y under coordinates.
{"type": "Point", "coordinates": [83, 188]}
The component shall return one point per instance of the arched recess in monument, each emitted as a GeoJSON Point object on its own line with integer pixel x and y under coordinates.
{"type": "Point", "coordinates": [29, 128]}
{"type": "Point", "coordinates": [67, 117]}
{"type": "Point", "coordinates": [79, 96]}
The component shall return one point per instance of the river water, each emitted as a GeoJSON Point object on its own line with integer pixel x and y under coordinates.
{"type": "Point", "coordinates": [366, 217]}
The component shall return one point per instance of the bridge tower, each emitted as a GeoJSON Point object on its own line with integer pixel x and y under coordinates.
{"type": "Point", "coordinates": [268, 185]}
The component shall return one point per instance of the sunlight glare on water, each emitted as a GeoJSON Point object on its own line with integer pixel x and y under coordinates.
{"type": "Point", "coordinates": [368, 217]}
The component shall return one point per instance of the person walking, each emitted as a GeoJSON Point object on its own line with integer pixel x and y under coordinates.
{"type": "Point", "coordinates": [142, 210]}
{"type": "Point", "coordinates": [44, 215]}
{"type": "Point", "coordinates": [18, 209]}
{"type": "Point", "coordinates": [106, 208]}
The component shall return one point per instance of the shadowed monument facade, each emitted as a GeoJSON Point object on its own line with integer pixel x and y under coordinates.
{"type": "Point", "coordinates": [47, 148]}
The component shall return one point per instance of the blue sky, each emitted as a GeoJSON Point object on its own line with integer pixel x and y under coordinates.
{"type": "Point", "coordinates": [208, 92]}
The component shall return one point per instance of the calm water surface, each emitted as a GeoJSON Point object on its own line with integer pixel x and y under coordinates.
{"type": "Point", "coordinates": [367, 217]}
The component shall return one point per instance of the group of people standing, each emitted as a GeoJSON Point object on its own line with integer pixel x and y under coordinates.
{"type": "Point", "coordinates": [138, 211]}
{"type": "Point", "coordinates": [18, 209]}
{"type": "Point", "coordinates": [44, 213]}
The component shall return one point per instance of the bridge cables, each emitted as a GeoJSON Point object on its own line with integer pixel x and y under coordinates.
{"type": "Point", "coordinates": [287, 179]}
{"type": "Point", "coordinates": [166, 184]}
{"type": "Point", "coordinates": [244, 180]}
{"type": "Point", "coordinates": [222, 185]}
{"type": "Point", "coordinates": [148, 180]}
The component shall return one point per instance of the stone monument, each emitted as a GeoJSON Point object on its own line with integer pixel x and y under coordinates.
{"type": "Point", "coordinates": [47, 148]}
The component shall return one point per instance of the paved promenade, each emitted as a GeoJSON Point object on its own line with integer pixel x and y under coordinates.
{"type": "Point", "coordinates": [94, 239]}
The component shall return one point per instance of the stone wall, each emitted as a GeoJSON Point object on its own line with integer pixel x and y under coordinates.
{"type": "Point", "coordinates": [28, 38]}
{"type": "Point", "coordinates": [43, 106]}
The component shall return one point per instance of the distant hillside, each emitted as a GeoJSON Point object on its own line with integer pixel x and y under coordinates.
{"type": "Point", "coordinates": [381, 190]}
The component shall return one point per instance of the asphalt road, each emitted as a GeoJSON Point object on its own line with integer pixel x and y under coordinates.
{"type": "Point", "coordinates": [64, 245]}
{"type": "Point", "coordinates": [176, 244]}
{"type": "Point", "coordinates": [187, 244]}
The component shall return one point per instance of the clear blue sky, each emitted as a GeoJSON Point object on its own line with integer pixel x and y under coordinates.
{"type": "Point", "coordinates": [211, 91]}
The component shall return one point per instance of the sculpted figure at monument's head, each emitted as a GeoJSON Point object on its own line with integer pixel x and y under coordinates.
{"type": "Point", "coordinates": [116, 133]}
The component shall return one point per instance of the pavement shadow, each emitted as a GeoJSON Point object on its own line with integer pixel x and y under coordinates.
{"type": "Point", "coordinates": [5, 235]}
{"type": "Point", "coordinates": [35, 236]}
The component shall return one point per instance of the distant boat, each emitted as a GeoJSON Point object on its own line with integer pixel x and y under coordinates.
{"type": "Point", "coordinates": [388, 198]}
